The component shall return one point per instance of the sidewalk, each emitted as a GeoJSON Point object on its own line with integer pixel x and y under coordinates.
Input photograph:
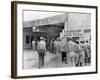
{"type": "Point", "coordinates": [51, 60]}
{"type": "Point", "coordinates": [31, 60]}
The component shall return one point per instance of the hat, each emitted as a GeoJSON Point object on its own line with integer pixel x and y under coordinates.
{"type": "Point", "coordinates": [41, 38]}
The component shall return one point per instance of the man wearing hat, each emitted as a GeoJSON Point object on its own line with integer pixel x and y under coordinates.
{"type": "Point", "coordinates": [41, 49]}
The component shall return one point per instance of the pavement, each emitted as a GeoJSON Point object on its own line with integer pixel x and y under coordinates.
{"type": "Point", "coordinates": [30, 60]}
{"type": "Point", "coordinates": [52, 60]}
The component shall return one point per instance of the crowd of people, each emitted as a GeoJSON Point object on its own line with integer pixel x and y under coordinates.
{"type": "Point", "coordinates": [73, 52]}
{"type": "Point", "coordinates": [77, 53]}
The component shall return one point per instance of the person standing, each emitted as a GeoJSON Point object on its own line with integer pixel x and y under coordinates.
{"type": "Point", "coordinates": [57, 46]}
{"type": "Point", "coordinates": [88, 52]}
{"type": "Point", "coordinates": [52, 46]}
{"type": "Point", "coordinates": [33, 45]}
{"type": "Point", "coordinates": [63, 49]}
{"type": "Point", "coordinates": [41, 49]}
{"type": "Point", "coordinates": [82, 54]}
{"type": "Point", "coordinates": [71, 50]}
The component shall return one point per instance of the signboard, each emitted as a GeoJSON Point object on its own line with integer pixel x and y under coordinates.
{"type": "Point", "coordinates": [73, 33]}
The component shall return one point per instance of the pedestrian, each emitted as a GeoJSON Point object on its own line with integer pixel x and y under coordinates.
{"type": "Point", "coordinates": [80, 52]}
{"type": "Point", "coordinates": [52, 46]}
{"type": "Point", "coordinates": [33, 45]}
{"type": "Point", "coordinates": [71, 50]}
{"type": "Point", "coordinates": [89, 47]}
{"type": "Point", "coordinates": [57, 46]}
{"type": "Point", "coordinates": [83, 51]}
{"type": "Point", "coordinates": [63, 49]}
{"type": "Point", "coordinates": [41, 49]}
{"type": "Point", "coordinates": [88, 51]}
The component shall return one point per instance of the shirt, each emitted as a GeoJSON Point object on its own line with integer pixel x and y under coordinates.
{"type": "Point", "coordinates": [71, 46]}
{"type": "Point", "coordinates": [41, 45]}
{"type": "Point", "coordinates": [62, 44]}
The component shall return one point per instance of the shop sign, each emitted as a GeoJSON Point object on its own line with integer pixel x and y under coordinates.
{"type": "Point", "coordinates": [73, 33]}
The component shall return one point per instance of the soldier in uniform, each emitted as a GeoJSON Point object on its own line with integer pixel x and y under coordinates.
{"type": "Point", "coordinates": [41, 49]}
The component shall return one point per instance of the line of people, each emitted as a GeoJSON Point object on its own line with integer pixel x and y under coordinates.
{"type": "Point", "coordinates": [76, 53]}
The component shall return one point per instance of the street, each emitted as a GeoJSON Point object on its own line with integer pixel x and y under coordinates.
{"type": "Point", "coordinates": [51, 60]}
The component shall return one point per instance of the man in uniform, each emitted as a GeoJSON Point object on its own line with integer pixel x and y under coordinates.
{"type": "Point", "coordinates": [41, 48]}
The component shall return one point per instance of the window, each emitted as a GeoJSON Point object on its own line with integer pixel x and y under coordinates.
{"type": "Point", "coordinates": [27, 39]}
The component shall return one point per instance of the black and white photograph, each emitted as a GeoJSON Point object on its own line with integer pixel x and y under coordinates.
{"type": "Point", "coordinates": [56, 39]}
{"type": "Point", "coordinates": [53, 39]}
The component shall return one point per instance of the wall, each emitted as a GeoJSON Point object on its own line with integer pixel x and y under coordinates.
{"type": "Point", "coordinates": [27, 32]}
{"type": "Point", "coordinates": [5, 41]}
{"type": "Point", "coordinates": [79, 21]}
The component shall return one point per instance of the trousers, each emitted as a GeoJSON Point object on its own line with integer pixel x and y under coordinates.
{"type": "Point", "coordinates": [41, 54]}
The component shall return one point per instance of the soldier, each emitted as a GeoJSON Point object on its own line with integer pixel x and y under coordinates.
{"type": "Point", "coordinates": [63, 49]}
{"type": "Point", "coordinates": [88, 51]}
{"type": "Point", "coordinates": [41, 48]}
{"type": "Point", "coordinates": [71, 50]}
